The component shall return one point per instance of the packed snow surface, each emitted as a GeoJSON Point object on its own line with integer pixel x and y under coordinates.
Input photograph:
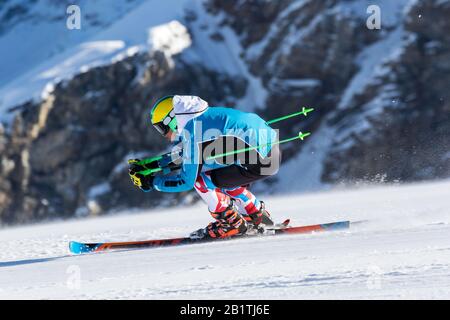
{"type": "Point", "coordinates": [402, 251]}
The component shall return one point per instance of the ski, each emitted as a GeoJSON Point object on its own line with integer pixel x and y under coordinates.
{"type": "Point", "coordinates": [283, 228]}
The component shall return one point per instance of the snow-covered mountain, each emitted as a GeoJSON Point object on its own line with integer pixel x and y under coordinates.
{"type": "Point", "coordinates": [74, 103]}
{"type": "Point", "coordinates": [402, 252]}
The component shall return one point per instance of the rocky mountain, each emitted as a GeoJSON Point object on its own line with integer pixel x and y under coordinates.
{"type": "Point", "coordinates": [380, 97]}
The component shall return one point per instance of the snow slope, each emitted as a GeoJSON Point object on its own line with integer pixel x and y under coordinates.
{"type": "Point", "coordinates": [402, 252]}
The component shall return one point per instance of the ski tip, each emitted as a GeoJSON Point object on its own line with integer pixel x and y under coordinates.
{"type": "Point", "coordinates": [358, 222]}
{"type": "Point", "coordinates": [336, 225]}
{"type": "Point", "coordinates": [79, 248]}
{"type": "Point", "coordinates": [75, 247]}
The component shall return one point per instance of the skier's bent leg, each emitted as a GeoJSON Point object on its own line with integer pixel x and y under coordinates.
{"type": "Point", "coordinates": [228, 221]}
{"type": "Point", "coordinates": [231, 180]}
{"type": "Point", "coordinates": [245, 199]}
{"type": "Point", "coordinates": [255, 211]}
{"type": "Point", "coordinates": [214, 197]}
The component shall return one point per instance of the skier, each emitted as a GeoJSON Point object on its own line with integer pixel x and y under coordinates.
{"type": "Point", "coordinates": [222, 182]}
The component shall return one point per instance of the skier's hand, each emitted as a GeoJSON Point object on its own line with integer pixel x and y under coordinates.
{"type": "Point", "coordinates": [136, 166]}
{"type": "Point", "coordinates": [145, 183]}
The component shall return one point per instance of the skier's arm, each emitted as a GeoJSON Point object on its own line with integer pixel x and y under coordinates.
{"type": "Point", "coordinates": [185, 180]}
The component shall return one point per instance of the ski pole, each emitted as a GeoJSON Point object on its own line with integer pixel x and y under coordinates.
{"type": "Point", "coordinates": [300, 136]}
{"type": "Point", "coordinates": [157, 158]}
{"type": "Point", "coordinates": [171, 167]}
{"type": "Point", "coordinates": [304, 112]}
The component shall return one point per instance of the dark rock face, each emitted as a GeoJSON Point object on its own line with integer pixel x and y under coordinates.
{"type": "Point", "coordinates": [408, 137]}
{"type": "Point", "coordinates": [251, 19]}
{"type": "Point", "coordinates": [65, 155]}
{"type": "Point", "coordinates": [398, 127]}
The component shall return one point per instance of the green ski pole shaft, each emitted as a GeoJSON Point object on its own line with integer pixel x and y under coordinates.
{"type": "Point", "coordinates": [304, 112]}
{"type": "Point", "coordinates": [156, 170]}
{"type": "Point", "coordinates": [300, 136]}
{"type": "Point", "coordinates": [159, 157]}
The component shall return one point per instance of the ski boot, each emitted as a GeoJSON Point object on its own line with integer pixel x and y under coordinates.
{"type": "Point", "coordinates": [259, 219]}
{"type": "Point", "coordinates": [228, 223]}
